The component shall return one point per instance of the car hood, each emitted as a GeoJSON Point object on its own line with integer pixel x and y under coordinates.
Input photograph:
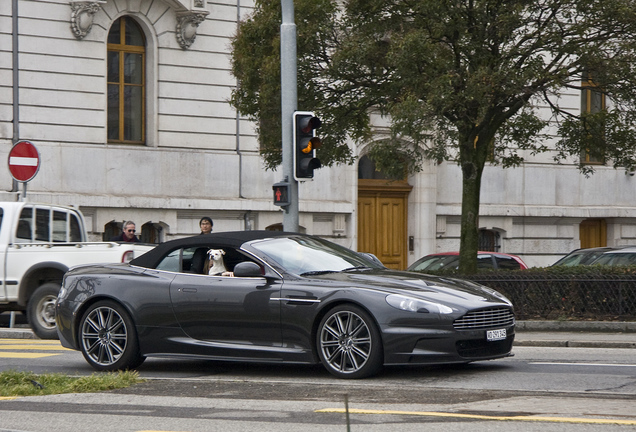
{"type": "Point", "coordinates": [441, 289]}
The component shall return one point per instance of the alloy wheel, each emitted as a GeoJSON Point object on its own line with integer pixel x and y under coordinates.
{"type": "Point", "coordinates": [345, 342]}
{"type": "Point", "coordinates": [104, 336]}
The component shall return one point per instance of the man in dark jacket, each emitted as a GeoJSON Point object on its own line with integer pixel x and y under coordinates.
{"type": "Point", "coordinates": [128, 234]}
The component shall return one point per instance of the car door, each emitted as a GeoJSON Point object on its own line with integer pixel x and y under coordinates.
{"type": "Point", "coordinates": [236, 311]}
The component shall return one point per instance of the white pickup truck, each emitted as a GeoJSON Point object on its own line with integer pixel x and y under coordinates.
{"type": "Point", "coordinates": [38, 244]}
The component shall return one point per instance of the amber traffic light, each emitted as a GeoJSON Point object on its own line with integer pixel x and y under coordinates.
{"type": "Point", "coordinates": [305, 144]}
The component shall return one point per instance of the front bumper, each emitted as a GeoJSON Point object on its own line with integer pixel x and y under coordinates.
{"type": "Point", "coordinates": [403, 346]}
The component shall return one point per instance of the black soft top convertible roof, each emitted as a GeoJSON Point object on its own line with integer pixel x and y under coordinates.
{"type": "Point", "coordinates": [231, 239]}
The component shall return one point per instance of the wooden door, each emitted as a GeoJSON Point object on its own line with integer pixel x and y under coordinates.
{"type": "Point", "coordinates": [382, 221]}
{"type": "Point", "coordinates": [593, 233]}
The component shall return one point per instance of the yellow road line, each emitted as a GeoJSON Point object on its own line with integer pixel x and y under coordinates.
{"type": "Point", "coordinates": [33, 347]}
{"type": "Point", "coordinates": [24, 355]}
{"type": "Point", "coordinates": [29, 341]}
{"type": "Point", "coordinates": [483, 417]}
{"type": "Point", "coordinates": [8, 397]}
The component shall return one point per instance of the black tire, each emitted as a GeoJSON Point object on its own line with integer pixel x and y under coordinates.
{"type": "Point", "coordinates": [108, 338]}
{"type": "Point", "coordinates": [349, 343]}
{"type": "Point", "coordinates": [41, 310]}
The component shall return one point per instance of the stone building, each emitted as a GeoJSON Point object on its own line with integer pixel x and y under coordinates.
{"type": "Point", "coordinates": [127, 103]}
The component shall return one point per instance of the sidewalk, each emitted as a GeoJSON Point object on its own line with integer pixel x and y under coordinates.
{"type": "Point", "coordinates": [574, 334]}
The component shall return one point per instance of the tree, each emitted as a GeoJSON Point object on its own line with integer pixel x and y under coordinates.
{"type": "Point", "coordinates": [256, 64]}
{"type": "Point", "coordinates": [460, 80]}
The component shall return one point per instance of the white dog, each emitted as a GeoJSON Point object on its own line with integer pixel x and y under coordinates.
{"type": "Point", "coordinates": [217, 266]}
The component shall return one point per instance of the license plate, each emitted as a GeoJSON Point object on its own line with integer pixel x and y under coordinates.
{"type": "Point", "coordinates": [495, 335]}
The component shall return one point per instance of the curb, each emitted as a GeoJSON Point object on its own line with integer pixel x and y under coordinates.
{"type": "Point", "coordinates": [17, 333]}
{"type": "Point", "coordinates": [573, 344]}
{"type": "Point", "coordinates": [576, 326]}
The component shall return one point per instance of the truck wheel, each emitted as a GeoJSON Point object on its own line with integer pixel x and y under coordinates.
{"type": "Point", "coordinates": [41, 310]}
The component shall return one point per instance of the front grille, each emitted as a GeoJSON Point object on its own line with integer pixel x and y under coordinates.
{"type": "Point", "coordinates": [485, 319]}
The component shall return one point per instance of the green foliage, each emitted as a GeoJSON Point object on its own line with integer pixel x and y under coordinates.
{"type": "Point", "coordinates": [256, 64]}
{"type": "Point", "coordinates": [457, 80]}
{"type": "Point", "coordinates": [15, 383]}
{"type": "Point", "coordinates": [569, 271]}
{"type": "Point", "coordinates": [448, 73]}
{"type": "Point", "coordinates": [561, 292]}
{"type": "Point", "coordinates": [605, 136]}
{"type": "Point", "coordinates": [585, 270]}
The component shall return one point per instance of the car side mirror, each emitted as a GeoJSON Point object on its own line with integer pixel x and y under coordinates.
{"type": "Point", "coordinates": [247, 269]}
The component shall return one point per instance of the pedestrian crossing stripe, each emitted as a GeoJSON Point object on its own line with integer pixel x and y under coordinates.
{"type": "Point", "coordinates": [9, 347]}
{"type": "Point", "coordinates": [25, 355]}
{"type": "Point", "coordinates": [57, 347]}
{"type": "Point", "coordinates": [30, 342]}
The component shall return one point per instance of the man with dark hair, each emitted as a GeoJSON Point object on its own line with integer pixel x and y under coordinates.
{"type": "Point", "coordinates": [206, 225]}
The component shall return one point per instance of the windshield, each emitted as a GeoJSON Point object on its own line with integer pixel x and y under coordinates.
{"type": "Point", "coordinates": [436, 262]}
{"type": "Point", "coordinates": [304, 255]}
{"type": "Point", "coordinates": [616, 259]}
{"type": "Point", "coordinates": [579, 258]}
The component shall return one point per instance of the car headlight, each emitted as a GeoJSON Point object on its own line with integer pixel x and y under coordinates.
{"type": "Point", "coordinates": [411, 304]}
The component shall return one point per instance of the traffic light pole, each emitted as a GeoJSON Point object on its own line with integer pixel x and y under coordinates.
{"type": "Point", "coordinates": [289, 101]}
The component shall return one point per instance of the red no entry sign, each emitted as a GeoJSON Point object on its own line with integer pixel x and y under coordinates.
{"type": "Point", "coordinates": [24, 161]}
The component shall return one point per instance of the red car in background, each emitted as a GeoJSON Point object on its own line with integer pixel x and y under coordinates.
{"type": "Point", "coordinates": [485, 260]}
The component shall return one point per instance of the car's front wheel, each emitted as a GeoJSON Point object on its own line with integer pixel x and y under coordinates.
{"type": "Point", "coordinates": [108, 338]}
{"type": "Point", "coordinates": [349, 343]}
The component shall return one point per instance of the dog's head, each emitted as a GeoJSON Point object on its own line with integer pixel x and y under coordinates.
{"type": "Point", "coordinates": [216, 254]}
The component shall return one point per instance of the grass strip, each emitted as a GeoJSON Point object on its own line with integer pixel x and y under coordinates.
{"type": "Point", "coordinates": [25, 383]}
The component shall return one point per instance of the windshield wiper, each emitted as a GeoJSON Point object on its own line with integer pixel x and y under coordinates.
{"type": "Point", "coordinates": [349, 269]}
{"type": "Point", "coordinates": [317, 272]}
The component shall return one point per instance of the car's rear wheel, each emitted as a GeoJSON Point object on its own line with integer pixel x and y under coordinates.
{"type": "Point", "coordinates": [108, 338]}
{"type": "Point", "coordinates": [349, 343]}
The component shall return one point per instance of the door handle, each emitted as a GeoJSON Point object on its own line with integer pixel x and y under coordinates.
{"type": "Point", "coordinates": [188, 290]}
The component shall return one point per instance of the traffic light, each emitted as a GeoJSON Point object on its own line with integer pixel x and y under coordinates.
{"type": "Point", "coordinates": [305, 144]}
{"type": "Point", "coordinates": [281, 194]}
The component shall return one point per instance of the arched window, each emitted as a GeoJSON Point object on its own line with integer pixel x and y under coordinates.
{"type": "Point", "coordinates": [366, 169]}
{"type": "Point", "coordinates": [126, 82]}
{"type": "Point", "coordinates": [279, 227]}
{"type": "Point", "coordinates": [151, 233]}
{"type": "Point", "coordinates": [111, 229]}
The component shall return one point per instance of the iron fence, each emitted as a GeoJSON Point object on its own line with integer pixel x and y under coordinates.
{"type": "Point", "coordinates": [567, 297]}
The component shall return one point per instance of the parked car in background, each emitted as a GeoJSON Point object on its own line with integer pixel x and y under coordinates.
{"type": "Point", "coordinates": [485, 260]}
{"type": "Point", "coordinates": [584, 256]}
{"type": "Point", "coordinates": [625, 256]}
{"type": "Point", "coordinates": [289, 298]}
